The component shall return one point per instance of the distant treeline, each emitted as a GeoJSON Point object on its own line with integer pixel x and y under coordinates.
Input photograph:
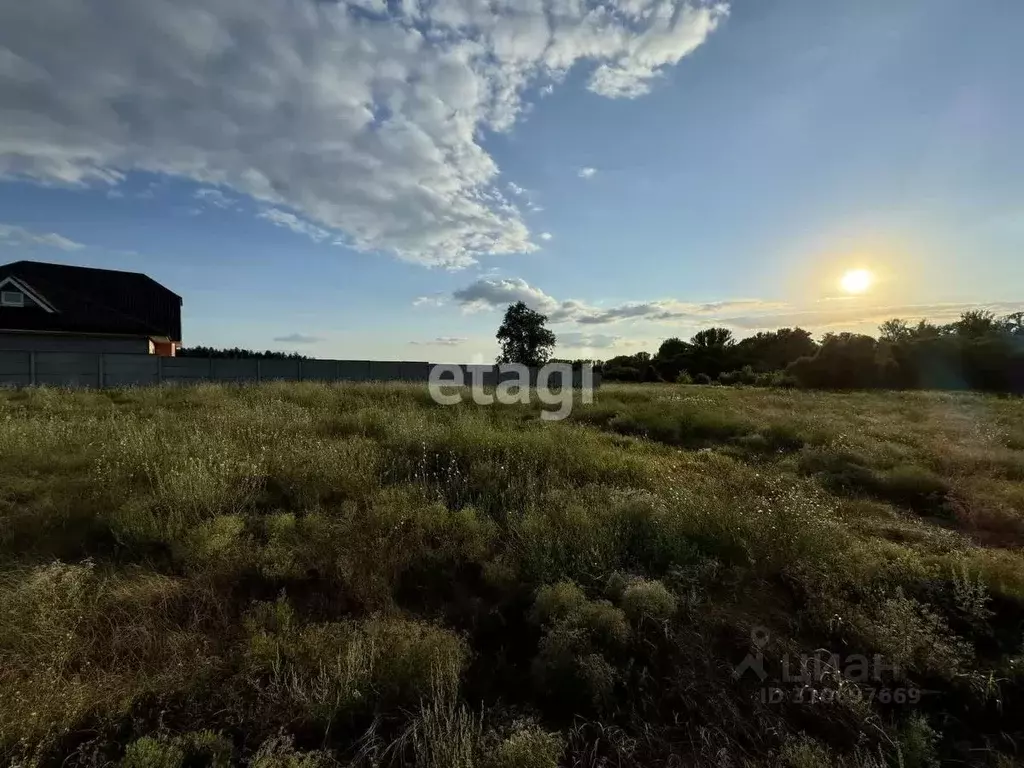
{"type": "Point", "coordinates": [978, 351]}
{"type": "Point", "coordinates": [239, 353]}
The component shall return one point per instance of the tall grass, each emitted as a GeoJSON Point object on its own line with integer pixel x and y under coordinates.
{"type": "Point", "coordinates": [313, 575]}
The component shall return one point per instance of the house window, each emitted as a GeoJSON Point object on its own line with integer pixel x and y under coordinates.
{"type": "Point", "coordinates": [12, 299]}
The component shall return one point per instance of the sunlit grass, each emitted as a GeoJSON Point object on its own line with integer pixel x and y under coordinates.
{"type": "Point", "coordinates": [297, 574]}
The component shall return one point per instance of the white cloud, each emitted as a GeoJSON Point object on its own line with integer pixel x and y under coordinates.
{"type": "Point", "coordinates": [586, 173]}
{"type": "Point", "coordinates": [434, 300]}
{"type": "Point", "coordinates": [214, 197]}
{"type": "Point", "coordinates": [361, 117]}
{"type": "Point", "coordinates": [295, 224]}
{"type": "Point", "coordinates": [489, 293]}
{"type": "Point", "coordinates": [14, 235]}
{"type": "Point", "coordinates": [575, 340]}
{"type": "Point", "coordinates": [515, 189]}
{"type": "Point", "coordinates": [441, 341]}
{"type": "Point", "coordinates": [545, 235]}
{"type": "Point", "coordinates": [298, 338]}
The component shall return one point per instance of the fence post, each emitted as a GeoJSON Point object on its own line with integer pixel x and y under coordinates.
{"type": "Point", "coordinates": [299, 369]}
{"type": "Point", "coordinates": [209, 375]}
{"type": "Point", "coordinates": [160, 369]}
{"type": "Point", "coordinates": [32, 367]}
{"type": "Point", "coordinates": [99, 371]}
{"type": "Point", "coordinates": [259, 371]}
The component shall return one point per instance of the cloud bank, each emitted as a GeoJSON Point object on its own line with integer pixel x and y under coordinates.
{"type": "Point", "coordinates": [741, 314]}
{"type": "Point", "coordinates": [356, 116]}
{"type": "Point", "coordinates": [297, 338]}
{"type": "Point", "coordinates": [14, 235]}
{"type": "Point", "coordinates": [495, 293]}
{"type": "Point", "coordinates": [441, 341]}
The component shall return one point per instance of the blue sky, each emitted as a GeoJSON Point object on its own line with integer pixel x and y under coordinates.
{"type": "Point", "coordinates": [379, 180]}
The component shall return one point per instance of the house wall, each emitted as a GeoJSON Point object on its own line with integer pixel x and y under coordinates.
{"type": "Point", "coordinates": [56, 342]}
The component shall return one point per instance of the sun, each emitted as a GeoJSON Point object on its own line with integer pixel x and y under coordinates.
{"type": "Point", "coordinates": [856, 281]}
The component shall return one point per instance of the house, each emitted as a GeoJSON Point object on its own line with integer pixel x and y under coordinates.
{"type": "Point", "coordinates": [53, 307]}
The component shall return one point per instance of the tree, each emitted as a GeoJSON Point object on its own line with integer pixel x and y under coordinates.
{"type": "Point", "coordinates": [895, 330]}
{"type": "Point", "coordinates": [774, 350]}
{"type": "Point", "coordinates": [524, 337]}
{"type": "Point", "coordinates": [711, 352]}
{"type": "Point", "coordinates": [672, 359]}
{"type": "Point", "coordinates": [237, 353]}
{"type": "Point", "coordinates": [671, 348]}
{"type": "Point", "coordinates": [976, 324]}
{"type": "Point", "coordinates": [712, 337]}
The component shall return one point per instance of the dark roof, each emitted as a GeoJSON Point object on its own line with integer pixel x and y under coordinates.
{"type": "Point", "coordinates": [89, 300]}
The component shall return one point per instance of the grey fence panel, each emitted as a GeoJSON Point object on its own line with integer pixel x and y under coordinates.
{"type": "Point", "coordinates": [15, 363]}
{"type": "Point", "coordinates": [319, 370]}
{"type": "Point", "coordinates": [186, 370]}
{"type": "Point", "coordinates": [385, 371]}
{"type": "Point", "coordinates": [67, 369]}
{"type": "Point", "coordinates": [354, 370]}
{"type": "Point", "coordinates": [90, 369]}
{"type": "Point", "coordinates": [55, 363]}
{"type": "Point", "coordinates": [230, 369]}
{"type": "Point", "coordinates": [414, 371]}
{"type": "Point", "coordinates": [130, 370]}
{"type": "Point", "coordinates": [15, 369]}
{"type": "Point", "coordinates": [487, 375]}
{"type": "Point", "coordinates": [279, 369]}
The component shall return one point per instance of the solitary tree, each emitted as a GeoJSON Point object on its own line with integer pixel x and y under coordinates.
{"type": "Point", "coordinates": [524, 337]}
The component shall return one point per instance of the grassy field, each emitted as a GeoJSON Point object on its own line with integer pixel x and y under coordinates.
{"type": "Point", "coordinates": [303, 575]}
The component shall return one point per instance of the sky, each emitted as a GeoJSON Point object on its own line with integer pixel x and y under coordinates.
{"type": "Point", "coordinates": [381, 178]}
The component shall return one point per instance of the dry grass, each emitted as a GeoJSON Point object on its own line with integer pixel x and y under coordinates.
{"type": "Point", "coordinates": [310, 575]}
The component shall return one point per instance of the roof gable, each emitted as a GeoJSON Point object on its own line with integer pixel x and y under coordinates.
{"type": "Point", "coordinates": [89, 300]}
{"type": "Point", "coordinates": [12, 281]}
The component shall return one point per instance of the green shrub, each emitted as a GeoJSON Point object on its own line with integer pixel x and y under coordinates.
{"type": "Point", "coordinates": [805, 752]}
{"type": "Point", "coordinates": [527, 747]}
{"type": "Point", "coordinates": [558, 601]}
{"type": "Point", "coordinates": [917, 743]}
{"type": "Point", "coordinates": [914, 487]}
{"type": "Point", "coordinates": [279, 752]}
{"type": "Point", "coordinates": [328, 668]}
{"type": "Point", "coordinates": [605, 623]}
{"type": "Point", "coordinates": [153, 753]}
{"type": "Point", "coordinates": [194, 748]}
{"type": "Point", "coordinates": [648, 599]}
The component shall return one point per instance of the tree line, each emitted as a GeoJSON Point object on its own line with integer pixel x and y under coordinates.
{"type": "Point", "coordinates": [978, 351]}
{"type": "Point", "coordinates": [238, 353]}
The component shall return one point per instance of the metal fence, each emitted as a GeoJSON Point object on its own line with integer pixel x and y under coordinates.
{"type": "Point", "coordinates": [91, 369]}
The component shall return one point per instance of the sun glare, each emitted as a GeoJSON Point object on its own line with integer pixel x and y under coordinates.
{"type": "Point", "coordinates": [856, 281]}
